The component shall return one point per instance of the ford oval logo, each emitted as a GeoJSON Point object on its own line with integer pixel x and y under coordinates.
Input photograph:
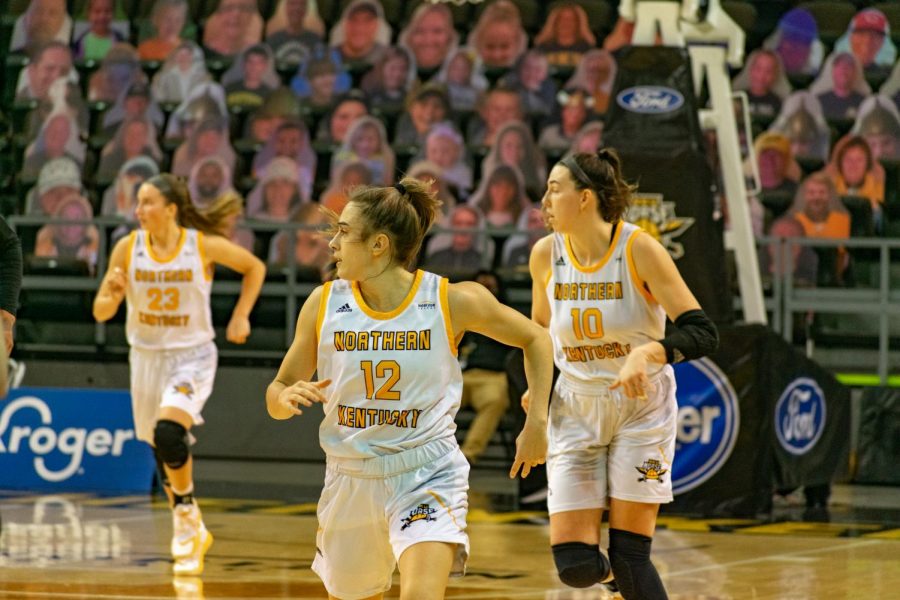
{"type": "Point", "coordinates": [650, 99]}
{"type": "Point", "coordinates": [800, 416]}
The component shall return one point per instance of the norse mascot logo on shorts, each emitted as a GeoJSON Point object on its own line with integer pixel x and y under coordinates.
{"type": "Point", "coordinates": [800, 416]}
{"type": "Point", "coordinates": [708, 423]}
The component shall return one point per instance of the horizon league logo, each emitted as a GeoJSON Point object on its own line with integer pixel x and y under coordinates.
{"type": "Point", "coordinates": [800, 416]}
{"type": "Point", "coordinates": [707, 426]}
{"type": "Point", "coordinates": [47, 444]}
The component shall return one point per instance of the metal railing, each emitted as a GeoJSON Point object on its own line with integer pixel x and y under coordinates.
{"type": "Point", "coordinates": [881, 297]}
{"type": "Point", "coordinates": [283, 279]}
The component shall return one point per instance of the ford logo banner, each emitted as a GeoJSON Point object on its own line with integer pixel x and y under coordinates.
{"type": "Point", "coordinates": [800, 416]}
{"type": "Point", "coordinates": [650, 99]}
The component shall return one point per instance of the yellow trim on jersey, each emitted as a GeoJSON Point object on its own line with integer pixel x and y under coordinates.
{"type": "Point", "coordinates": [131, 239]}
{"type": "Point", "coordinates": [445, 308]}
{"type": "Point", "coordinates": [207, 271]}
{"type": "Point", "coordinates": [599, 264]}
{"type": "Point", "coordinates": [391, 314]}
{"type": "Point", "coordinates": [181, 240]}
{"type": "Point", "coordinates": [632, 268]}
{"type": "Point", "coordinates": [445, 507]}
{"type": "Point", "coordinates": [320, 315]}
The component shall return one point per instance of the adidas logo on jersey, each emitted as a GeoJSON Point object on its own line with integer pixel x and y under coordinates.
{"type": "Point", "coordinates": [560, 262]}
{"type": "Point", "coordinates": [344, 309]}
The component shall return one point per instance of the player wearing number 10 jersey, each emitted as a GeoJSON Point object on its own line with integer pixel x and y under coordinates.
{"type": "Point", "coordinates": [603, 288]}
{"type": "Point", "coordinates": [383, 341]}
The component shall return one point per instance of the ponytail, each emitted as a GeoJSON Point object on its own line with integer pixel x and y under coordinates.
{"type": "Point", "coordinates": [403, 212]}
{"type": "Point", "coordinates": [175, 191]}
{"type": "Point", "coordinates": [602, 173]}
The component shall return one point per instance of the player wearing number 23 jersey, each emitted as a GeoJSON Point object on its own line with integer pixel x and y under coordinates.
{"type": "Point", "coordinates": [163, 272]}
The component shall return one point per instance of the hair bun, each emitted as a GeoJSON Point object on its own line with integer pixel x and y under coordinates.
{"type": "Point", "coordinates": [400, 188]}
{"type": "Point", "coordinates": [610, 157]}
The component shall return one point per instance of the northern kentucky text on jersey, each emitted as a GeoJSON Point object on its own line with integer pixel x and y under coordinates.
{"type": "Point", "coordinates": [166, 276]}
{"type": "Point", "coordinates": [602, 290]}
{"type": "Point", "coordinates": [360, 418]}
{"type": "Point", "coordinates": [350, 341]}
{"type": "Point", "coordinates": [596, 352]}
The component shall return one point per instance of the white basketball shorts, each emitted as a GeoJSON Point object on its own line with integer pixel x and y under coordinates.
{"type": "Point", "coordinates": [603, 445]}
{"type": "Point", "coordinates": [373, 509]}
{"type": "Point", "coordinates": [180, 378]}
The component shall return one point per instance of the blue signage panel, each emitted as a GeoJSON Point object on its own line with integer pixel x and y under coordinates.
{"type": "Point", "coordinates": [58, 439]}
{"type": "Point", "coordinates": [708, 423]}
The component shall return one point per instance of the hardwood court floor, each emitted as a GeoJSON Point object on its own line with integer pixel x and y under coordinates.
{"type": "Point", "coordinates": [78, 546]}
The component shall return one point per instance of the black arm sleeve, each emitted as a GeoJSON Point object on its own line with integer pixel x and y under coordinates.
{"type": "Point", "coordinates": [10, 268]}
{"type": "Point", "coordinates": [694, 336]}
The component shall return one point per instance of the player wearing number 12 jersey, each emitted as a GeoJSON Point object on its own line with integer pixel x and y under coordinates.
{"type": "Point", "coordinates": [383, 342]}
{"type": "Point", "coordinates": [164, 272]}
{"type": "Point", "coordinates": [603, 288]}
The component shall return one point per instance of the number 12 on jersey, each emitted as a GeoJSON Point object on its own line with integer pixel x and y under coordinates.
{"type": "Point", "coordinates": [385, 369]}
{"type": "Point", "coordinates": [587, 322]}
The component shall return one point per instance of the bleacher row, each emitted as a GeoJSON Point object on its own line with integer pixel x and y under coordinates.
{"type": "Point", "coordinates": [758, 17]}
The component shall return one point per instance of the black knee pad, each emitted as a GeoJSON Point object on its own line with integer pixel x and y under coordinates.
{"type": "Point", "coordinates": [171, 441]}
{"type": "Point", "coordinates": [636, 577]}
{"type": "Point", "coordinates": [580, 565]}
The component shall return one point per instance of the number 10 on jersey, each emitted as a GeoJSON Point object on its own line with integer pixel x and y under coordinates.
{"type": "Point", "coordinates": [385, 369]}
{"type": "Point", "coordinates": [587, 323]}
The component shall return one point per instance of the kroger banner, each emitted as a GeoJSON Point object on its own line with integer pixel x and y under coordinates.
{"type": "Point", "coordinates": [54, 439]}
{"type": "Point", "coordinates": [708, 423]}
{"type": "Point", "coordinates": [723, 458]}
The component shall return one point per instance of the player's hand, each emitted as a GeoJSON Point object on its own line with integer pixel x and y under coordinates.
{"type": "Point", "coordinates": [116, 282]}
{"type": "Point", "coordinates": [526, 400]}
{"type": "Point", "coordinates": [632, 379]}
{"type": "Point", "coordinates": [531, 449]}
{"type": "Point", "coordinates": [302, 393]}
{"type": "Point", "coordinates": [7, 322]}
{"type": "Point", "coordinates": [238, 329]}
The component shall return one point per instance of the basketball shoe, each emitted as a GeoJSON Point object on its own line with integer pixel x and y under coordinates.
{"type": "Point", "coordinates": [190, 540]}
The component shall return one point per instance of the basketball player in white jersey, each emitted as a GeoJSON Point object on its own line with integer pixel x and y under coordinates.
{"type": "Point", "coordinates": [383, 342]}
{"type": "Point", "coordinates": [164, 272]}
{"type": "Point", "coordinates": [603, 287]}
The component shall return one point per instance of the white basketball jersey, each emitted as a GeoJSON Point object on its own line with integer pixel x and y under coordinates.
{"type": "Point", "coordinates": [599, 312]}
{"type": "Point", "coordinates": [168, 298]}
{"type": "Point", "coordinates": [396, 382]}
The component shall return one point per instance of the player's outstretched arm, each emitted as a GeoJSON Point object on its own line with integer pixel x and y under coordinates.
{"type": "Point", "coordinates": [474, 308]}
{"type": "Point", "coordinates": [292, 386]}
{"type": "Point", "coordinates": [224, 252]}
{"type": "Point", "coordinates": [539, 267]}
{"type": "Point", "coordinates": [112, 287]}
